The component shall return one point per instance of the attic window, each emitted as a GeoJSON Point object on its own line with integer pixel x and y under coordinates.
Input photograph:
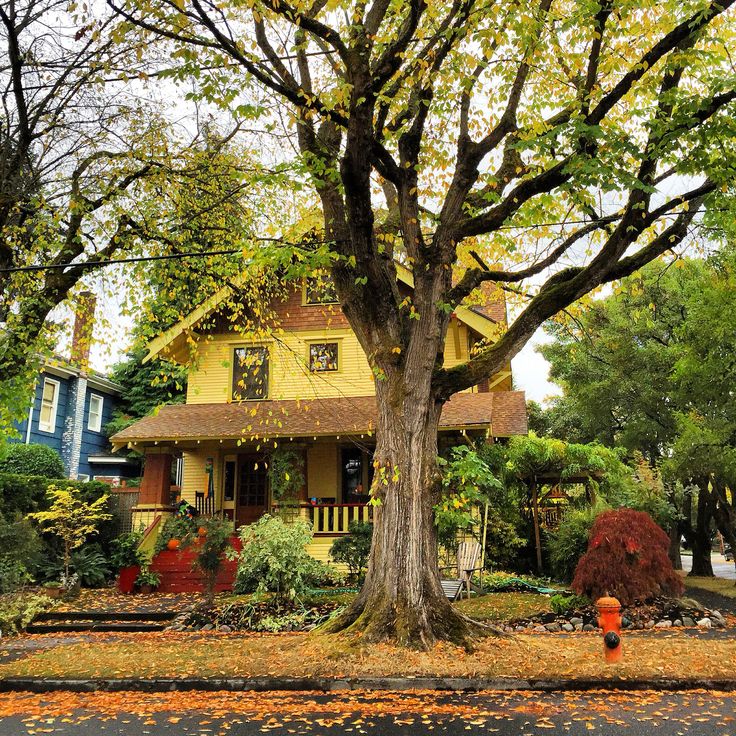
{"type": "Point", "coordinates": [250, 373]}
{"type": "Point", "coordinates": [319, 289]}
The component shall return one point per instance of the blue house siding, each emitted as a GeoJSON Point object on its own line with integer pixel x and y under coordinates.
{"type": "Point", "coordinates": [96, 443]}
{"type": "Point", "coordinates": [91, 442]}
{"type": "Point", "coordinates": [38, 436]}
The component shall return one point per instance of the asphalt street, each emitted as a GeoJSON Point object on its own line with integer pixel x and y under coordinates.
{"type": "Point", "coordinates": [697, 713]}
{"type": "Point", "coordinates": [721, 567]}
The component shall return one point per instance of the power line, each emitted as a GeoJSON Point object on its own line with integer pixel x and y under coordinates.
{"type": "Point", "coordinates": [199, 254]}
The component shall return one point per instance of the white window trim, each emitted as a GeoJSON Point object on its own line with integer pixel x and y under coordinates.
{"type": "Point", "coordinates": [51, 426]}
{"type": "Point", "coordinates": [97, 427]}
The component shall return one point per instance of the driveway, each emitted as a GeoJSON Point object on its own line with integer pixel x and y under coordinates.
{"type": "Point", "coordinates": [721, 568]}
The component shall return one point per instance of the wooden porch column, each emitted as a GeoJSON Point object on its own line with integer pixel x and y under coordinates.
{"type": "Point", "coordinates": [156, 481]}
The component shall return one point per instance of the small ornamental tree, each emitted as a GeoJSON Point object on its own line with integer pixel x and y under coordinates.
{"type": "Point", "coordinates": [211, 553]}
{"type": "Point", "coordinates": [626, 558]}
{"type": "Point", "coordinates": [71, 518]}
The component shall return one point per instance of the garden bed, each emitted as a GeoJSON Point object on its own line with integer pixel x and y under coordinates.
{"type": "Point", "coordinates": [659, 613]}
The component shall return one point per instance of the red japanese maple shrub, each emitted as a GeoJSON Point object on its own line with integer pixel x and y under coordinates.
{"type": "Point", "coordinates": [626, 558]}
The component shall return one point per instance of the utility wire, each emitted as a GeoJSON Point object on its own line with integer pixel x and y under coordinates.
{"type": "Point", "coordinates": [234, 251]}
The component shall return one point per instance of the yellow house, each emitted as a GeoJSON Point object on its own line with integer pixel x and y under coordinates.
{"type": "Point", "coordinates": [307, 387]}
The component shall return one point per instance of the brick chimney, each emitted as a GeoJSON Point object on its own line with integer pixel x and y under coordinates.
{"type": "Point", "coordinates": [84, 320]}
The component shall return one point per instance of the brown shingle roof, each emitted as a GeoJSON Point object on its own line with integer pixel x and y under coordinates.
{"type": "Point", "coordinates": [505, 411]}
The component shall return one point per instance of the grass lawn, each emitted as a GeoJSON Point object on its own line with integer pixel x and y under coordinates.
{"type": "Point", "coordinates": [179, 655]}
{"type": "Point", "coordinates": [722, 586]}
{"type": "Point", "coordinates": [503, 607]}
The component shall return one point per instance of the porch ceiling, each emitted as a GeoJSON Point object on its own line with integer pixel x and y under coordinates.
{"type": "Point", "coordinates": [503, 413]}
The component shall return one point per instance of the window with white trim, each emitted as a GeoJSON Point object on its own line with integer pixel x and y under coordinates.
{"type": "Point", "coordinates": [94, 421]}
{"type": "Point", "coordinates": [49, 405]}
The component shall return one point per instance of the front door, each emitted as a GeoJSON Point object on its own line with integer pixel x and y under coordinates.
{"type": "Point", "coordinates": [252, 489]}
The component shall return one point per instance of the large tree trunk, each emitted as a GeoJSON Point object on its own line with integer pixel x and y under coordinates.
{"type": "Point", "coordinates": [674, 551]}
{"type": "Point", "coordinates": [402, 599]}
{"type": "Point", "coordinates": [724, 513]}
{"type": "Point", "coordinates": [702, 566]}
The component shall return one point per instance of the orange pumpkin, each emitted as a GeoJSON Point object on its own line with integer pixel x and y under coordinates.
{"type": "Point", "coordinates": [173, 544]}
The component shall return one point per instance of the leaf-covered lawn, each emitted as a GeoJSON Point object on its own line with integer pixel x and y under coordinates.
{"type": "Point", "coordinates": [502, 607]}
{"type": "Point", "coordinates": [301, 655]}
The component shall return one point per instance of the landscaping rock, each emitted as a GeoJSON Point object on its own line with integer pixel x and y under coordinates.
{"type": "Point", "coordinates": [677, 622]}
{"type": "Point", "coordinates": [687, 621]}
{"type": "Point", "coordinates": [539, 628]}
{"type": "Point", "coordinates": [588, 627]}
{"type": "Point", "coordinates": [663, 624]}
{"type": "Point", "coordinates": [519, 628]}
{"type": "Point", "coordinates": [207, 627]}
{"type": "Point", "coordinates": [705, 623]}
{"type": "Point", "coordinates": [650, 624]}
{"type": "Point", "coordinates": [575, 620]}
{"type": "Point", "coordinates": [554, 627]}
{"type": "Point", "coordinates": [225, 629]}
{"type": "Point", "coordinates": [718, 616]}
{"type": "Point", "coordinates": [568, 627]}
{"type": "Point", "coordinates": [578, 627]}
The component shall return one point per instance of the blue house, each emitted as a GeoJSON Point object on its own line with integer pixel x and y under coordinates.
{"type": "Point", "coordinates": [71, 407]}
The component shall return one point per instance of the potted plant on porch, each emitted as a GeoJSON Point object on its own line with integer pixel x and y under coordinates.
{"type": "Point", "coordinates": [147, 580]}
{"type": "Point", "coordinates": [128, 559]}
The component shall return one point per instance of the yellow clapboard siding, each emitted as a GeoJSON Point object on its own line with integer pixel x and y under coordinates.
{"type": "Point", "coordinates": [194, 477]}
{"type": "Point", "coordinates": [322, 481]}
{"type": "Point", "coordinates": [319, 548]}
{"type": "Point", "coordinates": [211, 380]}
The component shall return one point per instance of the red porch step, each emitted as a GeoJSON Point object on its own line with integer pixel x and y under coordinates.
{"type": "Point", "coordinates": [178, 574]}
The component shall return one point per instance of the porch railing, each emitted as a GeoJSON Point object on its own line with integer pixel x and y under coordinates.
{"type": "Point", "coordinates": [334, 518]}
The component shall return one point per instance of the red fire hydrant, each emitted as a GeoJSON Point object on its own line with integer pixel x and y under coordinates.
{"type": "Point", "coordinates": [610, 621]}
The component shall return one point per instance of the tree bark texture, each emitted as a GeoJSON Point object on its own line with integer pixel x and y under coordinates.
{"type": "Point", "coordinates": [402, 598]}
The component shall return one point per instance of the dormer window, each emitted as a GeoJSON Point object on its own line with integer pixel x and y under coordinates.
{"type": "Point", "coordinates": [319, 289]}
{"type": "Point", "coordinates": [250, 373]}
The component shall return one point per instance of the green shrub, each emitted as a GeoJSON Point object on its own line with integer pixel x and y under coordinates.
{"type": "Point", "coordinates": [91, 566]}
{"type": "Point", "coordinates": [125, 552]}
{"type": "Point", "coordinates": [354, 548]}
{"type": "Point", "coordinates": [33, 459]}
{"type": "Point", "coordinates": [568, 543]}
{"type": "Point", "coordinates": [562, 604]}
{"type": "Point", "coordinates": [19, 552]}
{"type": "Point", "coordinates": [274, 558]}
{"type": "Point", "coordinates": [19, 609]}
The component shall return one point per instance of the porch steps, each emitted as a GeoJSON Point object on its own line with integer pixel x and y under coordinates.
{"type": "Point", "coordinates": [57, 622]}
{"type": "Point", "coordinates": [178, 574]}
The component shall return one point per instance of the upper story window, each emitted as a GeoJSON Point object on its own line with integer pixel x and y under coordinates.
{"type": "Point", "coordinates": [323, 357]}
{"type": "Point", "coordinates": [49, 405]}
{"type": "Point", "coordinates": [94, 421]}
{"type": "Point", "coordinates": [319, 289]}
{"type": "Point", "coordinates": [250, 373]}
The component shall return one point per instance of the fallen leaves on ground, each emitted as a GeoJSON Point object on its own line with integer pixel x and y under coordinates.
{"type": "Point", "coordinates": [212, 655]}
{"type": "Point", "coordinates": [359, 711]}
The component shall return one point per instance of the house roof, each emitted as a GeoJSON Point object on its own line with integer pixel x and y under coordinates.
{"type": "Point", "coordinates": [61, 368]}
{"type": "Point", "coordinates": [481, 318]}
{"type": "Point", "coordinates": [503, 413]}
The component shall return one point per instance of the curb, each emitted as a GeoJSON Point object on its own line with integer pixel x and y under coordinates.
{"type": "Point", "coordinates": [327, 685]}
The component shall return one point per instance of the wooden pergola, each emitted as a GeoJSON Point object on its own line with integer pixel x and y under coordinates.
{"type": "Point", "coordinates": [556, 480]}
